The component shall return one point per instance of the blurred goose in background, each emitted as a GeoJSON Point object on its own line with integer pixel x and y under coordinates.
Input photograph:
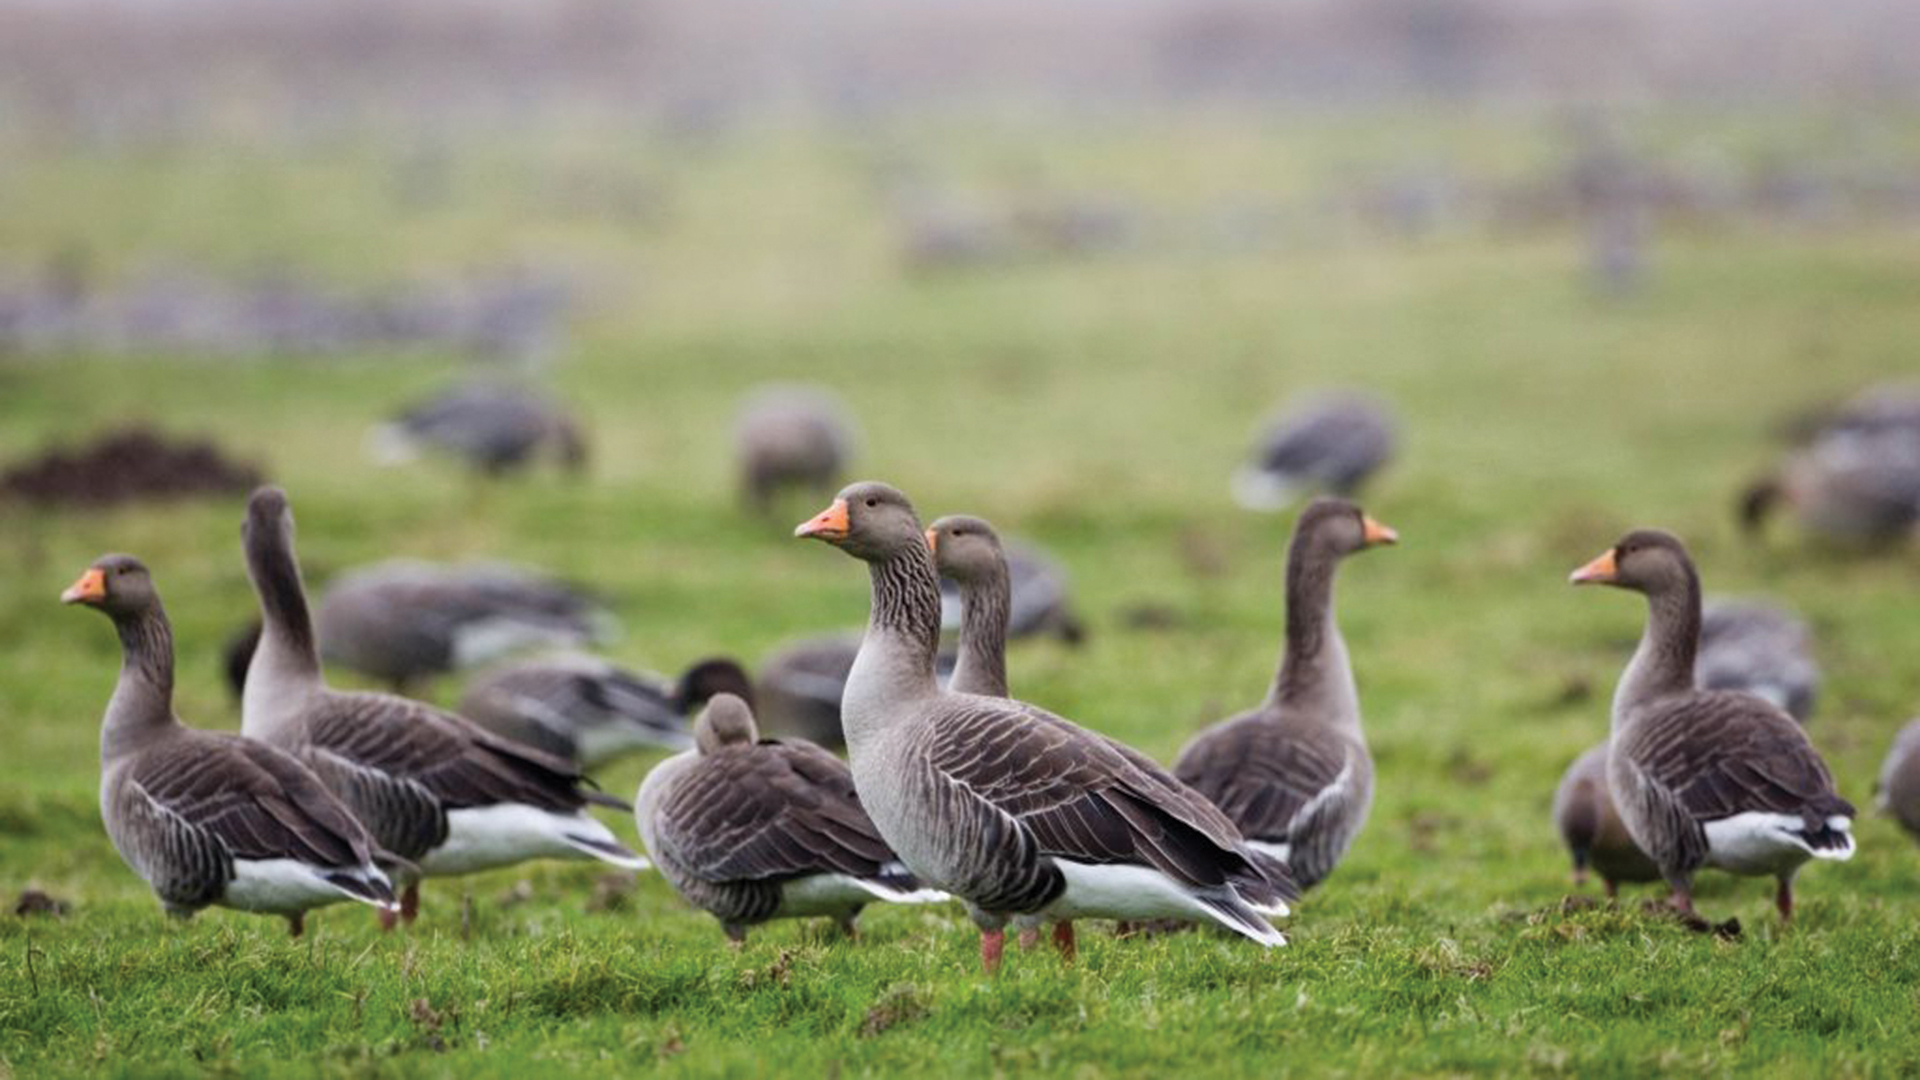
{"type": "Point", "coordinates": [1887, 409]}
{"type": "Point", "coordinates": [751, 829]}
{"type": "Point", "coordinates": [1039, 603]}
{"type": "Point", "coordinates": [1591, 826]}
{"type": "Point", "coordinates": [800, 684]}
{"type": "Point", "coordinates": [1898, 791]}
{"type": "Point", "coordinates": [791, 436]}
{"type": "Point", "coordinates": [430, 786]}
{"type": "Point", "coordinates": [1707, 778]}
{"type": "Point", "coordinates": [1294, 773]}
{"type": "Point", "coordinates": [1017, 811]}
{"type": "Point", "coordinates": [1850, 488]}
{"type": "Point", "coordinates": [211, 818]}
{"type": "Point", "coordinates": [589, 710]}
{"type": "Point", "coordinates": [495, 428]}
{"type": "Point", "coordinates": [1760, 648]}
{"type": "Point", "coordinates": [402, 621]}
{"type": "Point", "coordinates": [1326, 442]}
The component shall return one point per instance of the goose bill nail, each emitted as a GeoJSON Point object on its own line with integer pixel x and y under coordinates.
{"type": "Point", "coordinates": [829, 524]}
{"type": "Point", "coordinates": [91, 586]}
{"type": "Point", "coordinates": [933, 541]}
{"type": "Point", "coordinates": [1598, 571]}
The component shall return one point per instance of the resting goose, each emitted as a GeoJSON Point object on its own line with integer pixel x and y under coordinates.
{"type": "Point", "coordinates": [495, 428]}
{"type": "Point", "coordinates": [1760, 648]}
{"type": "Point", "coordinates": [1848, 488]}
{"type": "Point", "coordinates": [1327, 442]}
{"type": "Point", "coordinates": [1592, 829]}
{"type": "Point", "coordinates": [1899, 787]}
{"type": "Point", "coordinates": [589, 710]}
{"type": "Point", "coordinates": [791, 436]}
{"type": "Point", "coordinates": [1294, 772]}
{"type": "Point", "coordinates": [1015, 810]}
{"type": "Point", "coordinates": [1707, 778]}
{"type": "Point", "coordinates": [752, 829]}
{"type": "Point", "coordinates": [208, 818]}
{"type": "Point", "coordinates": [800, 684]}
{"type": "Point", "coordinates": [430, 786]}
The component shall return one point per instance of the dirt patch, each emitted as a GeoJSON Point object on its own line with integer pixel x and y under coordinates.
{"type": "Point", "coordinates": [123, 465]}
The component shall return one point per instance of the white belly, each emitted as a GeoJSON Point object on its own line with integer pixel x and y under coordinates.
{"type": "Point", "coordinates": [280, 886]}
{"type": "Point", "coordinates": [488, 837]}
{"type": "Point", "coordinates": [1121, 892]}
{"type": "Point", "coordinates": [822, 894]}
{"type": "Point", "coordinates": [1759, 843]}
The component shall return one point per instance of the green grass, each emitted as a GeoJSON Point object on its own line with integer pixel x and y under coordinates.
{"type": "Point", "coordinates": [1096, 406]}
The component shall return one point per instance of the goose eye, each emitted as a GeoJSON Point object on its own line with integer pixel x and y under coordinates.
{"type": "Point", "coordinates": [872, 502]}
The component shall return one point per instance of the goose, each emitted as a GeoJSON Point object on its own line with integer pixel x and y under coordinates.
{"type": "Point", "coordinates": [800, 685]}
{"type": "Point", "coordinates": [1898, 792]}
{"type": "Point", "coordinates": [495, 427]}
{"type": "Point", "coordinates": [403, 621]}
{"type": "Point", "coordinates": [1760, 648]}
{"type": "Point", "coordinates": [791, 436]}
{"type": "Point", "coordinates": [430, 786]}
{"type": "Point", "coordinates": [1591, 827]}
{"type": "Point", "coordinates": [1707, 778]}
{"type": "Point", "coordinates": [1325, 442]}
{"type": "Point", "coordinates": [210, 818]}
{"type": "Point", "coordinates": [1858, 489]}
{"type": "Point", "coordinates": [1294, 772]}
{"type": "Point", "coordinates": [589, 710]}
{"type": "Point", "coordinates": [1009, 807]}
{"type": "Point", "coordinates": [1038, 602]}
{"type": "Point", "coordinates": [751, 829]}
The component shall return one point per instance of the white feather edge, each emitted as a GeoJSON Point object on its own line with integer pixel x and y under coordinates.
{"type": "Point", "coordinates": [1118, 891]}
{"type": "Point", "coordinates": [288, 886]}
{"type": "Point", "coordinates": [1761, 842]}
{"type": "Point", "coordinates": [488, 837]}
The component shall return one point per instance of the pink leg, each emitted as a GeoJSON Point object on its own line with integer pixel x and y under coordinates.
{"type": "Point", "coordinates": [1613, 889]}
{"type": "Point", "coordinates": [992, 944]}
{"type": "Point", "coordinates": [1029, 938]}
{"type": "Point", "coordinates": [296, 924]}
{"type": "Point", "coordinates": [1063, 940]}
{"type": "Point", "coordinates": [1683, 900]}
{"type": "Point", "coordinates": [1783, 900]}
{"type": "Point", "coordinates": [410, 903]}
{"type": "Point", "coordinates": [389, 918]}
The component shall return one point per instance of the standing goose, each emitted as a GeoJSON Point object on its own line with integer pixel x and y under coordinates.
{"type": "Point", "coordinates": [588, 710]}
{"type": "Point", "coordinates": [1899, 787]}
{"type": "Point", "coordinates": [1591, 827]}
{"type": "Point", "coordinates": [495, 427]}
{"type": "Point", "coordinates": [1707, 778]}
{"type": "Point", "coordinates": [1016, 811]}
{"type": "Point", "coordinates": [430, 786]}
{"type": "Point", "coordinates": [1328, 442]}
{"type": "Point", "coordinates": [1294, 772]}
{"type": "Point", "coordinates": [751, 830]}
{"type": "Point", "coordinates": [210, 818]}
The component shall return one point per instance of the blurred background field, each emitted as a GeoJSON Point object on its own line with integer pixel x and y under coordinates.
{"type": "Point", "coordinates": [1060, 260]}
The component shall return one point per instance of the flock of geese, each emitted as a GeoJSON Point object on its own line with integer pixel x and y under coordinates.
{"type": "Point", "coordinates": [952, 787]}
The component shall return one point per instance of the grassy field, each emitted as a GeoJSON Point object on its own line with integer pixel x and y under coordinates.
{"type": "Point", "coordinates": [1095, 405]}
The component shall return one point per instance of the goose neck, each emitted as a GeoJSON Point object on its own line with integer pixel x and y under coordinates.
{"type": "Point", "coordinates": [985, 606]}
{"type": "Point", "coordinates": [1663, 663]}
{"type": "Point", "coordinates": [142, 702]}
{"type": "Point", "coordinates": [1314, 670]}
{"type": "Point", "coordinates": [895, 663]}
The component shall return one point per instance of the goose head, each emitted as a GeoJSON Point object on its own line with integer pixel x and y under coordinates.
{"type": "Point", "coordinates": [1644, 561]}
{"type": "Point", "coordinates": [116, 584]}
{"type": "Point", "coordinates": [727, 721]}
{"type": "Point", "coordinates": [1336, 527]}
{"type": "Point", "coordinates": [965, 549]}
{"type": "Point", "coordinates": [869, 520]}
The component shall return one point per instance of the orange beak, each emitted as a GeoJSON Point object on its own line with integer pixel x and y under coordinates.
{"type": "Point", "coordinates": [91, 586]}
{"type": "Point", "coordinates": [1600, 571]}
{"type": "Point", "coordinates": [1376, 533]}
{"type": "Point", "coordinates": [829, 524]}
{"type": "Point", "coordinates": [933, 541]}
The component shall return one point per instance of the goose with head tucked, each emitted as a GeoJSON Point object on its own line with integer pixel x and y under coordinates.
{"type": "Point", "coordinates": [209, 818]}
{"type": "Point", "coordinates": [1898, 791]}
{"type": "Point", "coordinates": [1294, 772]}
{"type": "Point", "coordinates": [590, 710]}
{"type": "Point", "coordinates": [751, 829]}
{"type": "Point", "coordinates": [1707, 778]}
{"type": "Point", "coordinates": [1016, 811]}
{"type": "Point", "coordinates": [430, 786]}
{"type": "Point", "coordinates": [1329, 442]}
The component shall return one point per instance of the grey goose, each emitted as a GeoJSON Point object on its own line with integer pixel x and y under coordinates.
{"type": "Point", "coordinates": [1707, 778]}
{"type": "Point", "coordinates": [590, 710]}
{"type": "Point", "coordinates": [209, 818]}
{"type": "Point", "coordinates": [751, 829]}
{"type": "Point", "coordinates": [404, 621]}
{"type": "Point", "coordinates": [1038, 601]}
{"type": "Point", "coordinates": [1597, 839]}
{"type": "Point", "coordinates": [800, 683]}
{"type": "Point", "coordinates": [430, 786]}
{"type": "Point", "coordinates": [791, 436]}
{"type": "Point", "coordinates": [1014, 810]}
{"type": "Point", "coordinates": [1898, 790]}
{"type": "Point", "coordinates": [1294, 772]}
{"type": "Point", "coordinates": [495, 428]}
{"type": "Point", "coordinates": [1329, 442]}
{"type": "Point", "coordinates": [1849, 488]}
